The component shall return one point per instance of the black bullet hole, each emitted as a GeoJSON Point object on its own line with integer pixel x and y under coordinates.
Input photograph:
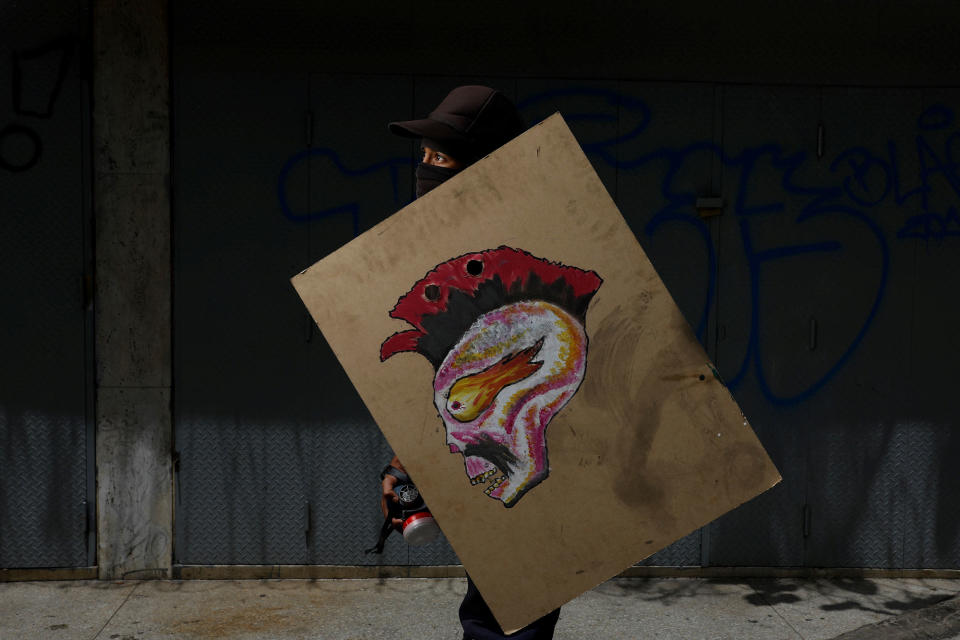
{"type": "Point", "coordinates": [431, 292]}
{"type": "Point", "coordinates": [474, 267]}
{"type": "Point", "coordinates": [703, 377]}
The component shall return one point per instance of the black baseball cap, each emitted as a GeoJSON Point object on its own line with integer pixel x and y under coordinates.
{"type": "Point", "coordinates": [471, 122]}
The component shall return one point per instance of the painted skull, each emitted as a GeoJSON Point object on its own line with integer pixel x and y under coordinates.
{"type": "Point", "coordinates": [504, 331]}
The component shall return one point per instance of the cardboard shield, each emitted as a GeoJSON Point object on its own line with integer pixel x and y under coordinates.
{"type": "Point", "coordinates": [526, 363]}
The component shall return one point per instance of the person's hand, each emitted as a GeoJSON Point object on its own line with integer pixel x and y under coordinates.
{"type": "Point", "coordinates": [389, 482]}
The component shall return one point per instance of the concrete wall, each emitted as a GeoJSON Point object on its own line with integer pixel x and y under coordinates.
{"type": "Point", "coordinates": [131, 133]}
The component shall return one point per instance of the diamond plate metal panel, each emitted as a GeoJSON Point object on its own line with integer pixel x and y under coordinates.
{"type": "Point", "coordinates": [44, 469]}
{"type": "Point", "coordinates": [42, 490]}
{"type": "Point", "coordinates": [345, 459]}
{"type": "Point", "coordinates": [685, 552]}
{"type": "Point", "coordinates": [438, 552]}
{"type": "Point", "coordinates": [242, 501]}
{"type": "Point", "coordinates": [855, 497]}
{"type": "Point", "coordinates": [927, 476]}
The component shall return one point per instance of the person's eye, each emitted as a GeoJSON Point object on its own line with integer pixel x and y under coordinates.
{"type": "Point", "coordinates": [441, 157]}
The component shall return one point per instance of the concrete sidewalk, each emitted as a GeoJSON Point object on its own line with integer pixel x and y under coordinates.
{"type": "Point", "coordinates": [667, 608]}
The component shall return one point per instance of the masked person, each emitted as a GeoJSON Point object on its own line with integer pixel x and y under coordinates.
{"type": "Point", "coordinates": [470, 123]}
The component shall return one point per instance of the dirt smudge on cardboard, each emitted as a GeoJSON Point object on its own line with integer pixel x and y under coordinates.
{"type": "Point", "coordinates": [628, 383]}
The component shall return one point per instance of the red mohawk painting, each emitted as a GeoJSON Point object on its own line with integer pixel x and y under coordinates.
{"type": "Point", "coordinates": [504, 331]}
{"type": "Point", "coordinates": [455, 293]}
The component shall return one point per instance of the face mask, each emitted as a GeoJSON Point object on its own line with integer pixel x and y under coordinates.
{"type": "Point", "coordinates": [430, 177]}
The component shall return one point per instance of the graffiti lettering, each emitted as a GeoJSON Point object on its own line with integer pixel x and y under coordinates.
{"type": "Point", "coordinates": [392, 166]}
{"type": "Point", "coordinates": [857, 181]}
{"type": "Point", "coordinates": [47, 65]}
{"type": "Point", "coordinates": [13, 161]}
{"type": "Point", "coordinates": [21, 147]}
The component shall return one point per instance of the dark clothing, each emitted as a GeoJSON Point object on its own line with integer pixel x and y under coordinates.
{"type": "Point", "coordinates": [471, 122]}
{"type": "Point", "coordinates": [479, 624]}
{"type": "Point", "coordinates": [430, 177]}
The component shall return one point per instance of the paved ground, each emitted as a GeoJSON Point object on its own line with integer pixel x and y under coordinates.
{"type": "Point", "coordinates": [663, 608]}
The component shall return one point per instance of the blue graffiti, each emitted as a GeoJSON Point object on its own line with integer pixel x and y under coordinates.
{"type": "Point", "coordinates": [935, 118]}
{"type": "Point", "coordinates": [821, 203]}
{"type": "Point", "coordinates": [931, 226]}
{"type": "Point", "coordinates": [756, 259]}
{"type": "Point", "coordinates": [392, 165]}
{"type": "Point", "coordinates": [859, 181]}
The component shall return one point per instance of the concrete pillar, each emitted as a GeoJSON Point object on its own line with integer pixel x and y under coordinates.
{"type": "Point", "coordinates": [131, 141]}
